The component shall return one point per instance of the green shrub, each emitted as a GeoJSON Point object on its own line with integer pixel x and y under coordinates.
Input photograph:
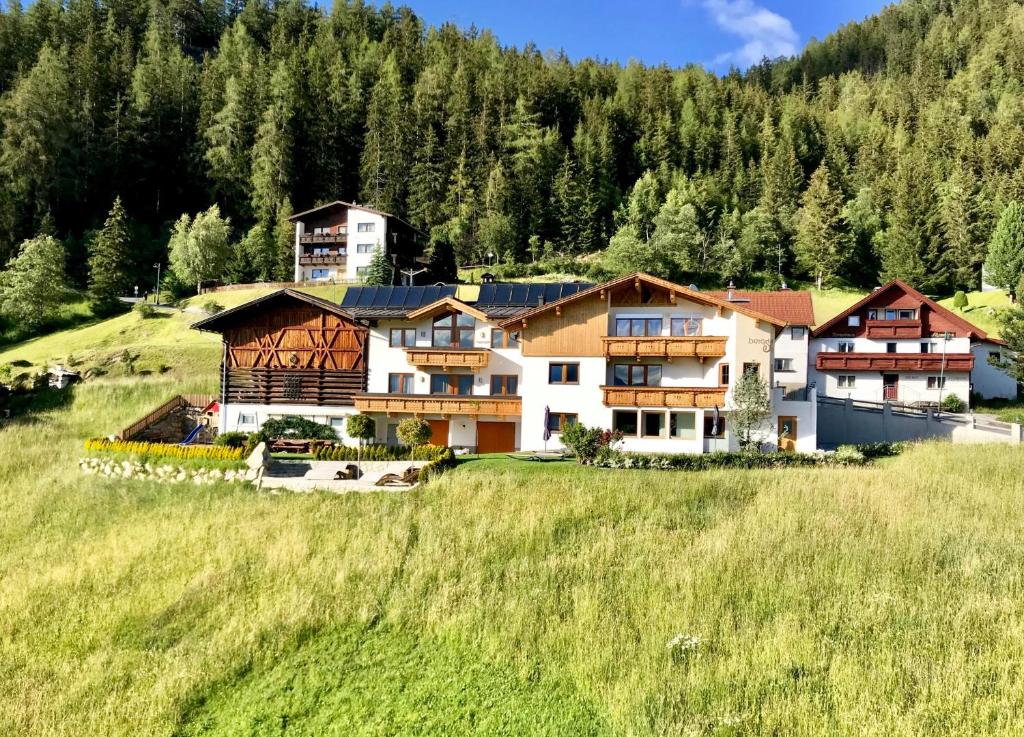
{"type": "Point", "coordinates": [297, 428]}
{"type": "Point", "coordinates": [849, 456]}
{"type": "Point", "coordinates": [144, 310]}
{"type": "Point", "coordinates": [588, 443]}
{"type": "Point", "coordinates": [211, 307]}
{"type": "Point", "coordinates": [960, 300]}
{"type": "Point", "coordinates": [233, 439]}
{"type": "Point", "coordinates": [882, 449]}
{"type": "Point", "coordinates": [413, 431]}
{"type": "Point", "coordinates": [952, 403]}
{"type": "Point", "coordinates": [380, 452]}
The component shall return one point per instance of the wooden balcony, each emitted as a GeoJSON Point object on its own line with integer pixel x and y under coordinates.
{"type": "Point", "coordinates": [331, 259]}
{"type": "Point", "coordinates": [324, 238]}
{"type": "Point", "coordinates": [439, 404]}
{"type": "Point", "coordinates": [663, 396]}
{"type": "Point", "coordinates": [893, 328]}
{"type": "Point", "coordinates": [446, 358]}
{"type": "Point", "coordinates": [700, 347]}
{"type": "Point", "coordinates": [931, 362]}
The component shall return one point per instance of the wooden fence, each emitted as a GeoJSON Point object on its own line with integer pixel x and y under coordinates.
{"type": "Point", "coordinates": [174, 403]}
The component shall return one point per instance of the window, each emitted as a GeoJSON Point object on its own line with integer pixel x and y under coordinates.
{"type": "Point", "coordinates": [362, 271]}
{"type": "Point", "coordinates": [293, 387]}
{"type": "Point", "coordinates": [853, 321]}
{"type": "Point", "coordinates": [366, 227]}
{"type": "Point", "coordinates": [321, 251]}
{"type": "Point", "coordinates": [624, 422]}
{"type": "Point", "coordinates": [403, 337]}
{"type": "Point", "coordinates": [890, 347]}
{"type": "Point", "coordinates": [320, 274]}
{"type": "Point", "coordinates": [504, 385]}
{"type": "Point", "coordinates": [936, 382]}
{"type": "Point", "coordinates": [682, 425]}
{"type": "Point", "coordinates": [501, 339]}
{"type": "Point", "coordinates": [563, 373]}
{"type": "Point", "coordinates": [783, 364]}
{"type": "Point", "coordinates": [460, 384]}
{"type": "Point", "coordinates": [845, 346]}
{"type": "Point", "coordinates": [637, 327]}
{"type": "Point", "coordinates": [905, 314]}
{"type": "Point", "coordinates": [847, 381]}
{"type": "Point", "coordinates": [752, 368]}
{"type": "Point", "coordinates": [454, 330]}
{"type": "Point", "coordinates": [652, 424]}
{"type": "Point", "coordinates": [400, 384]}
{"type": "Point", "coordinates": [995, 356]}
{"type": "Point", "coordinates": [723, 375]}
{"type": "Point", "coordinates": [798, 333]}
{"type": "Point", "coordinates": [558, 421]}
{"type": "Point", "coordinates": [633, 375]}
{"type": "Point", "coordinates": [245, 419]}
{"type": "Point", "coordinates": [927, 347]}
{"type": "Point", "coordinates": [338, 423]}
{"type": "Point", "coordinates": [714, 429]}
{"type": "Point", "coordinates": [872, 314]}
{"type": "Point", "coordinates": [365, 247]}
{"type": "Point", "coordinates": [687, 326]}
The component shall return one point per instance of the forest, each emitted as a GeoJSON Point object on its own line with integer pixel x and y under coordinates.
{"type": "Point", "coordinates": [891, 148]}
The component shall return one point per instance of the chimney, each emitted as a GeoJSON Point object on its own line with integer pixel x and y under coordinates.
{"type": "Point", "coordinates": [540, 301]}
{"type": "Point", "coordinates": [731, 287]}
{"type": "Point", "coordinates": [784, 287]}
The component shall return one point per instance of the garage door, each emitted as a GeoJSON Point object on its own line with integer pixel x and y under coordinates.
{"type": "Point", "coordinates": [438, 432]}
{"type": "Point", "coordinates": [495, 437]}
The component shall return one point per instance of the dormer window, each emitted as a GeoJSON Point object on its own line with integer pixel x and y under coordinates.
{"type": "Point", "coordinates": [454, 330]}
{"type": "Point", "coordinates": [853, 321]}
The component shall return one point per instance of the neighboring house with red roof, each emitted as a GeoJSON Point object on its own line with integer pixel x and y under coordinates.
{"type": "Point", "coordinates": [796, 311]}
{"type": "Point", "coordinates": [898, 345]}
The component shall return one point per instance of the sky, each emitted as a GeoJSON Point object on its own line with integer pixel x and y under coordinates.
{"type": "Point", "coordinates": [715, 33]}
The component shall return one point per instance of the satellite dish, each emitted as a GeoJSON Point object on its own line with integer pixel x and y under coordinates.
{"type": "Point", "coordinates": [694, 288]}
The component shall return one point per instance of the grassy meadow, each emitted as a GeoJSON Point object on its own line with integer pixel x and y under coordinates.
{"type": "Point", "coordinates": [505, 598]}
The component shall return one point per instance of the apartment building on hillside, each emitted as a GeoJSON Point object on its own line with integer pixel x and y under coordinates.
{"type": "Point", "coordinates": [897, 345]}
{"type": "Point", "coordinates": [509, 369]}
{"type": "Point", "coordinates": [336, 242]}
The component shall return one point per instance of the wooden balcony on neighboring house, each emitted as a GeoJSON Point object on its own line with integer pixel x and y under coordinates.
{"type": "Point", "coordinates": [699, 347]}
{"type": "Point", "coordinates": [930, 362]}
{"type": "Point", "coordinates": [439, 404]}
{"type": "Point", "coordinates": [324, 238]}
{"type": "Point", "coordinates": [893, 328]}
{"type": "Point", "coordinates": [446, 358]}
{"type": "Point", "coordinates": [663, 396]}
{"type": "Point", "coordinates": [329, 259]}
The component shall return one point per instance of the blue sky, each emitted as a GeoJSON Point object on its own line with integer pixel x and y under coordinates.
{"type": "Point", "coordinates": [716, 33]}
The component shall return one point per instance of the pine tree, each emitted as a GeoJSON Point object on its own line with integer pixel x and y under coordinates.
{"type": "Point", "coordinates": [822, 241]}
{"type": "Point", "coordinates": [272, 155]}
{"type": "Point", "coordinates": [384, 168]}
{"type": "Point", "coordinates": [677, 233]}
{"type": "Point", "coordinates": [379, 271]}
{"type": "Point", "coordinates": [957, 215]}
{"type": "Point", "coordinates": [1004, 265]}
{"type": "Point", "coordinates": [110, 254]}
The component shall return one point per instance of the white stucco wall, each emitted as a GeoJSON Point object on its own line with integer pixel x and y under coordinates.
{"type": "Point", "coordinates": [379, 236]}
{"type": "Point", "coordinates": [989, 381]}
{"type": "Point", "coordinates": [232, 414]}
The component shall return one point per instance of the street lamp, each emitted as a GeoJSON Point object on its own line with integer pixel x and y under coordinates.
{"type": "Point", "coordinates": [157, 267]}
{"type": "Point", "coordinates": [490, 258]}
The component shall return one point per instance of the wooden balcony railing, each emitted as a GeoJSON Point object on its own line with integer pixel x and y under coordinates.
{"type": "Point", "coordinates": [894, 362]}
{"type": "Point", "coordinates": [445, 358]}
{"type": "Point", "coordinates": [435, 404]}
{"type": "Point", "coordinates": [663, 396]}
{"type": "Point", "coordinates": [339, 237]}
{"type": "Point", "coordinates": [893, 328]}
{"type": "Point", "coordinates": [339, 259]}
{"type": "Point", "coordinates": [665, 347]}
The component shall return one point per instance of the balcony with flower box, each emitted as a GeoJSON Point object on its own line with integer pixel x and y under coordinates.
{"type": "Point", "coordinates": [440, 404]}
{"type": "Point", "coordinates": [667, 347]}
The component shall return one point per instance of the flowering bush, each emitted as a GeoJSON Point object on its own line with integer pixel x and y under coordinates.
{"type": "Point", "coordinates": [166, 450]}
{"type": "Point", "coordinates": [845, 456]}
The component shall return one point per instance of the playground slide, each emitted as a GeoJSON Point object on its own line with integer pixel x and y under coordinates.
{"type": "Point", "coordinates": [192, 435]}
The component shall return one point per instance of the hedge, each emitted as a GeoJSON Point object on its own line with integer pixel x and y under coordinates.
{"type": "Point", "coordinates": [846, 455]}
{"type": "Point", "coordinates": [380, 452]}
{"type": "Point", "coordinates": [166, 450]}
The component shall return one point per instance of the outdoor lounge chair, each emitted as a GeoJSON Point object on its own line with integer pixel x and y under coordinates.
{"type": "Point", "coordinates": [410, 477]}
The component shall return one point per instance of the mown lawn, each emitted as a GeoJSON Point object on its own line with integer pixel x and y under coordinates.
{"type": "Point", "coordinates": [507, 597]}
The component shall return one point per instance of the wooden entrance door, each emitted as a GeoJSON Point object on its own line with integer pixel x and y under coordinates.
{"type": "Point", "coordinates": [438, 432]}
{"type": "Point", "coordinates": [495, 437]}
{"type": "Point", "coordinates": [787, 434]}
{"type": "Point", "coordinates": [890, 387]}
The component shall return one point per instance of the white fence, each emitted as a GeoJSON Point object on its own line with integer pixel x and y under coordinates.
{"type": "Point", "coordinates": [842, 421]}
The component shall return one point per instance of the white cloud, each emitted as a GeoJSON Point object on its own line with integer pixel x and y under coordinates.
{"type": "Point", "coordinates": [766, 34]}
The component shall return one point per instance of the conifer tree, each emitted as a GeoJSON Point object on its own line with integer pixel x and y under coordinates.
{"type": "Point", "coordinates": [1004, 265]}
{"type": "Point", "coordinates": [379, 271]}
{"type": "Point", "coordinates": [272, 155]}
{"type": "Point", "coordinates": [383, 169]}
{"type": "Point", "coordinates": [822, 241]}
{"type": "Point", "coordinates": [110, 257]}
